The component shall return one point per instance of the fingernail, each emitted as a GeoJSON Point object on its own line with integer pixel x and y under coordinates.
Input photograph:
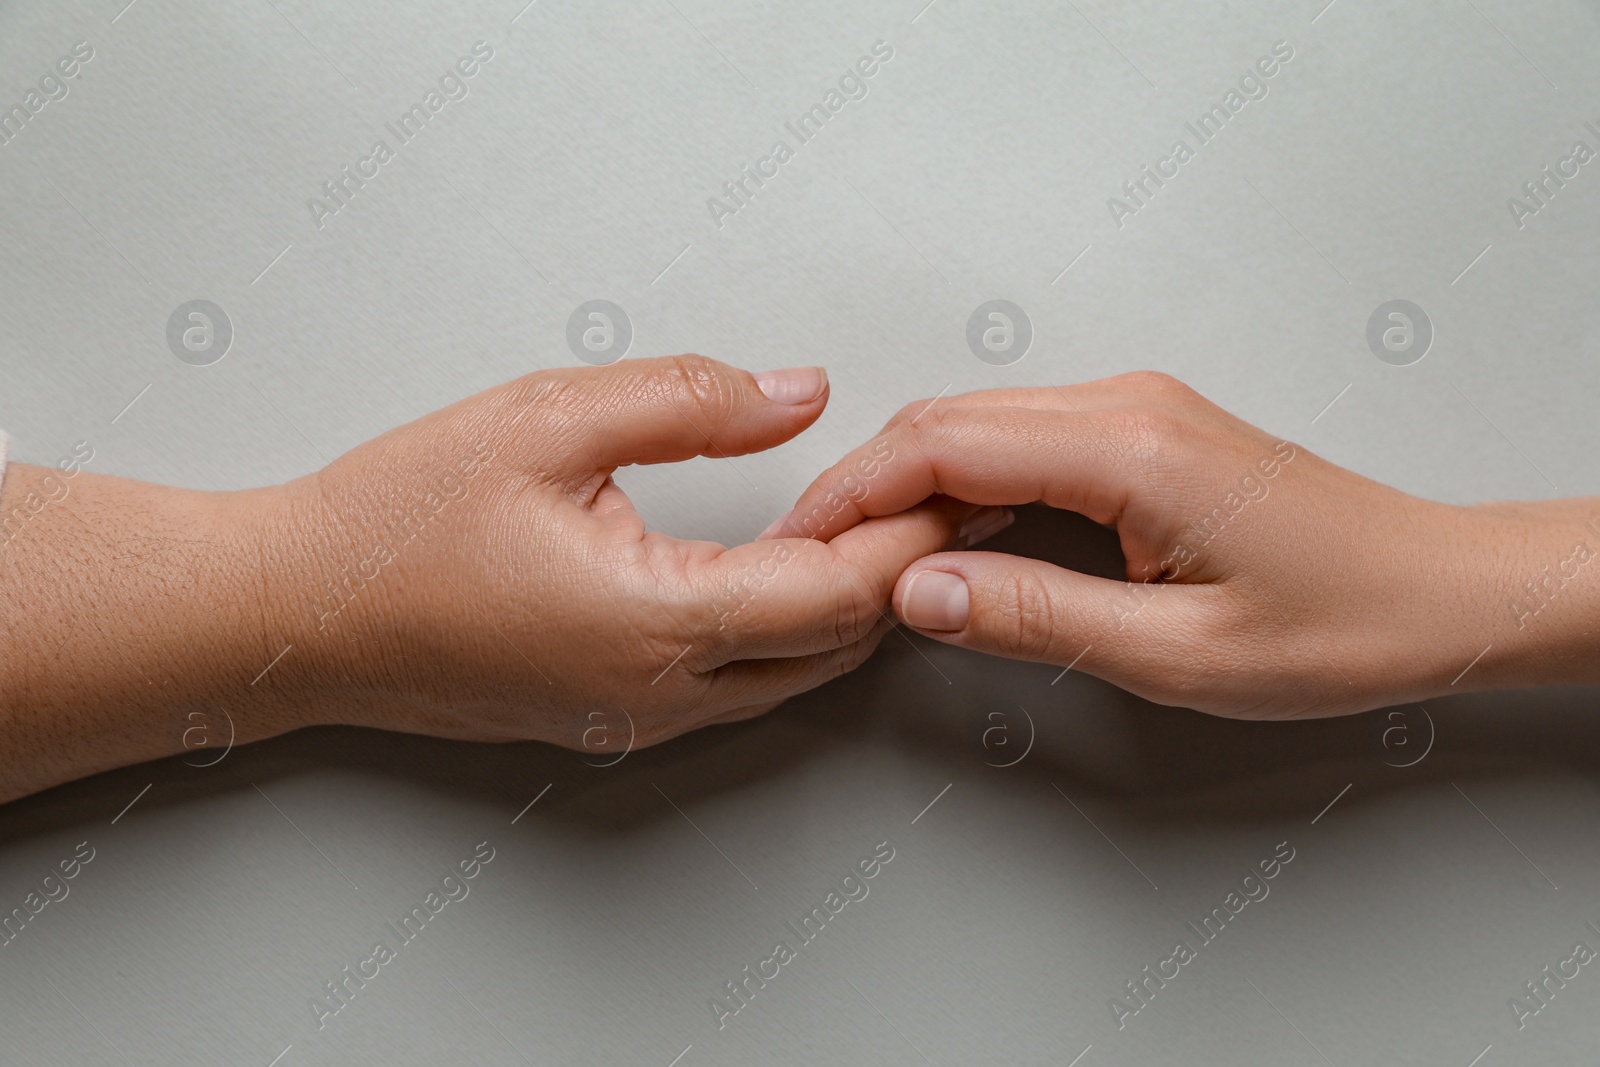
{"type": "Point", "coordinates": [796, 385]}
{"type": "Point", "coordinates": [935, 600]}
{"type": "Point", "coordinates": [984, 525]}
{"type": "Point", "coordinates": [774, 528]}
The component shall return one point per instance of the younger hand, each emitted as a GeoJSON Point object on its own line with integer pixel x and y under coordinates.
{"type": "Point", "coordinates": [1262, 581]}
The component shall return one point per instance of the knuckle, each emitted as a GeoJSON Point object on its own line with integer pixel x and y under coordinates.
{"type": "Point", "coordinates": [1158, 384]}
{"type": "Point", "coordinates": [670, 622]}
{"type": "Point", "coordinates": [937, 433]}
{"type": "Point", "coordinates": [935, 420]}
{"type": "Point", "coordinates": [554, 406]}
{"type": "Point", "coordinates": [906, 414]}
{"type": "Point", "coordinates": [1147, 434]}
{"type": "Point", "coordinates": [539, 397]}
{"type": "Point", "coordinates": [1021, 619]}
{"type": "Point", "coordinates": [863, 649]}
{"type": "Point", "coordinates": [930, 416]}
{"type": "Point", "coordinates": [853, 620]}
{"type": "Point", "coordinates": [705, 384]}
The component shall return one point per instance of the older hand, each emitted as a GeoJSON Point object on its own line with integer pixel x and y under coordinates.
{"type": "Point", "coordinates": [475, 574]}
{"type": "Point", "coordinates": [478, 573]}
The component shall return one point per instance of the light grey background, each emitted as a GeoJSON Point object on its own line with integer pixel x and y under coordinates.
{"type": "Point", "coordinates": [978, 167]}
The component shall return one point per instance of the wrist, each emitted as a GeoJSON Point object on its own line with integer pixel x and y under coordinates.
{"type": "Point", "coordinates": [1495, 596]}
{"type": "Point", "coordinates": [356, 567]}
{"type": "Point", "coordinates": [1462, 599]}
{"type": "Point", "coordinates": [1543, 602]}
{"type": "Point", "coordinates": [316, 651]}
{"type": "Point", "coordinates": [192, 597]}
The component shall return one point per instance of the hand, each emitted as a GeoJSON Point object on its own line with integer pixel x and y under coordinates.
{"type": "Point", "coordinates": [475, 574]}
{"type": "Point", "coordinates": [478, 574]}
{"type": "Point", "coordinates": [1263, 582]}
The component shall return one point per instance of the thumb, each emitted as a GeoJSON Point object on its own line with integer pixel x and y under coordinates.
{"type": "Point", "coordinates": [1030, 610]}
{"type": "Point", "coordinates": [669, 409]}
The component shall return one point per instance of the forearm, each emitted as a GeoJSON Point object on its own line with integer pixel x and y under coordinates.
{"type": "Point", "coordinates": [1542, 597]}
{"type": "Point", "coordinates": [130, 612]}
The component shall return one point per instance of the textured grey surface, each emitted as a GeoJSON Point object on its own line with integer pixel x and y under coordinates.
{"type": "Point", "coordinates": [978, 166]}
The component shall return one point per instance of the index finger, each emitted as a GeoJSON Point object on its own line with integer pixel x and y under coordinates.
{"type": "Point", "coordinates": [1091, 463]}
{"type": "Point", "coordinates": [798, 597]}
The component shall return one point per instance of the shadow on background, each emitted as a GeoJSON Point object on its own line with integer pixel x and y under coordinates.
{"type": "Point", "coordinates": [974, 715]}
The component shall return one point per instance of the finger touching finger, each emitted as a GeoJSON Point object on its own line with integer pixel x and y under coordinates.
{"type": "Point", "coordinates": [1121, 390]}
{"type": "Point", "coordinates": [994, 456]}
{"type": "Point", "coordinates": [765, 682]}
{"type": "Point", "coordinates": [795, 597]}
{"type": "Point", "coordinates": [1030, 610]}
